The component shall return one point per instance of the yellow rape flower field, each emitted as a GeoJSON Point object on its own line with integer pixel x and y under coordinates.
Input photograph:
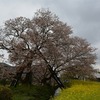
{"type": "Point", "coordinates": [81, 90]}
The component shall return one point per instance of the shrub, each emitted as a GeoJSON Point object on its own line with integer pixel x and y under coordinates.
{"type": "Point", "coordinates": [24, 92]}
{"type": "Point", "coordinates": [5, 93]}
{"type": "Point", "coordinates": [3, 81]}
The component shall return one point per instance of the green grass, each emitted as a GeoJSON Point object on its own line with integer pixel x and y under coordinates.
{"type": "Point", "coordinates": [81, 90]}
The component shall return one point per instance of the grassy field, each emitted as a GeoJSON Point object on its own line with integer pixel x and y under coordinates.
{"type": "Point", "coordinates": [78, 90]}
{"type": "Point", "coordinates": [81, 90]}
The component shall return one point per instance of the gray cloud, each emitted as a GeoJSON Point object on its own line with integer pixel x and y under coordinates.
{"type": "Point", "coordinates": [15, 8]}
{"type": "Point", "coordinates": [82, 15]}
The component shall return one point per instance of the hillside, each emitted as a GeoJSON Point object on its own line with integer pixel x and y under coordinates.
{"type": "Point", "coordinates": [81, 90]}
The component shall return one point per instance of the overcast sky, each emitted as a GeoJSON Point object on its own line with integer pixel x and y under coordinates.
{"type": "Point", "coordinates": [82, 15]}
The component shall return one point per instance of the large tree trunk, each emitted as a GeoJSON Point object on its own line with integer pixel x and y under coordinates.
{"type": "Point", "coordinates": [28, 78]}
{"type": "Point", "coordinates": [16, 79]}
{"type": "Point", "coordinates": [54, 75]}
{"type": "Point", "coordinates": [26, 64]}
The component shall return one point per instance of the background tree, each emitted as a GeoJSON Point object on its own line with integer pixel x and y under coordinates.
{"type": "Point", "coordinates": [44, 41]}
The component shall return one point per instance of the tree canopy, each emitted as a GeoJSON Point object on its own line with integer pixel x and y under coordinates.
{"type": "Point", "coordinates": [44, 40]}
